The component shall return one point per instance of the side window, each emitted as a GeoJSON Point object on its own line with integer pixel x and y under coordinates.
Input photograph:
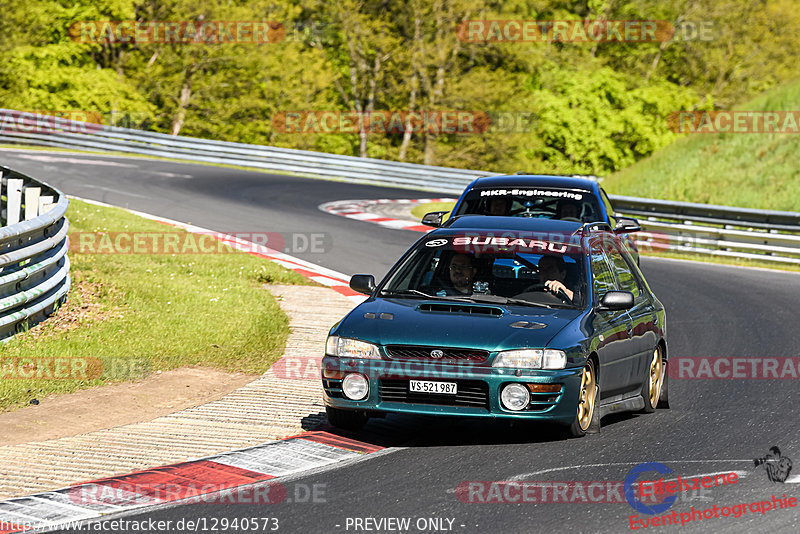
{"type": "Point", "coordinates": [602, 277]}
{"type": "Point", "coordinates": [609, 208]}
{"type": "Point", "coordinates": [627, 280]}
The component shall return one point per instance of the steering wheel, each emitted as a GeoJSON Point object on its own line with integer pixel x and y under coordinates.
{"type": "Point", "coordinates": [539, 286]}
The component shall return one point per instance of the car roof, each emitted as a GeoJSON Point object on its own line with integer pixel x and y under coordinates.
{"type": "Point", "coordinates": [540, 180]}
{"type": "Point", "coordinates": [494, 223]}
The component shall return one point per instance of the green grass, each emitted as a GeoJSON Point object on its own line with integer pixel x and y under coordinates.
{"type": "Point", "coordinates": [140, 313]}
{"type": "Point", "coordinates": [750, 170]}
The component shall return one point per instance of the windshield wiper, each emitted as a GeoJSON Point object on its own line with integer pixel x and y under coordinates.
{"type": "Point", "coordinates": [480, 298]}
{"type": "Point", "coordinates": [497, 299]}
{"type": "Point", "coordinates": [408, 293]}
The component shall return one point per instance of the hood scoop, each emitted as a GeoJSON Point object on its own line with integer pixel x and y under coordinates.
{"type": "Point", "coordinates": [528, 325]}
{"type": "Point", "coordinates": [461, 309]}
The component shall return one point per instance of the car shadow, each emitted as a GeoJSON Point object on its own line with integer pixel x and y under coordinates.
{"type": "Point", "coordinates": [401, 430]}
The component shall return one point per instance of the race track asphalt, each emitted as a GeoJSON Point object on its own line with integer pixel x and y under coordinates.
{"type": "Point", "coordinates": [712, 426]}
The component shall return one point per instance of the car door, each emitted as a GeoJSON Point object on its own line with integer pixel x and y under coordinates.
{"type": "Point", "coordinates": [642, 314]}
{"type": "Point", "coordinates": [611, 327]}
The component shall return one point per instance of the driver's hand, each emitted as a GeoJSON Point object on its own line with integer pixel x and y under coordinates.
{"type": "Point", "coordinates": [554, 285]}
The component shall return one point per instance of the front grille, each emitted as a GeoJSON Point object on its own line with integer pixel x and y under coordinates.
{"type": "Point", "coordinates": [472, 393]}
{"type": "Point", "coordinates": [416, 352]}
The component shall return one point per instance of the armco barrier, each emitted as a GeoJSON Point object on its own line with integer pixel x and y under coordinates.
{"type": "Point", "coordinates": [34, 268]}
{"type": "Point", "coordinates": [675, 226]}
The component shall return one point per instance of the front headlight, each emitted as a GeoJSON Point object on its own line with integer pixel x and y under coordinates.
{"type": "Point", "coordinates": [531, 359]}
{"type": "Point", "coordinates": [345, 347]}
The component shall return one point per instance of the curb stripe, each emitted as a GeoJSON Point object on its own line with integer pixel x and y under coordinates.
{"type": "Point", "coordinates": [217, 475]}
{"type": "Point", "coordinates": [357, 209]}
{"type": "Point", "coordinates": [341, 442]}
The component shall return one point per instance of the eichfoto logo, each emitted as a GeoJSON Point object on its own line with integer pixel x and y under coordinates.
{"type": "Point", "coordinates": [177, 31]}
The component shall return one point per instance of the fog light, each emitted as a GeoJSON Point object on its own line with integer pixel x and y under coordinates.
{"type": "Point", "coordinates": [515, 397]}
{"type": "Point", "coordinates": [355, 386]}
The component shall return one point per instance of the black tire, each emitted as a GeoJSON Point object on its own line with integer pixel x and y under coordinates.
{"type": "Point", "coordinates": [663, 400]}
{"type": "Point", "coordinates": [346, 419]}
{"type": "Point", "coordinates": [649, 403]}
{"type": "Point", "coordinates": [576, 429]}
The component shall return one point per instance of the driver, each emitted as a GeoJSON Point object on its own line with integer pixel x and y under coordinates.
{"type": "Point", "coordinates": [462, 272]}
{"type": "Point", "coordinates": [499, 206]}
{"type": "Point", "coordinates": [567, 209]}
{"type": "Point", "coordinates": [553, 273]}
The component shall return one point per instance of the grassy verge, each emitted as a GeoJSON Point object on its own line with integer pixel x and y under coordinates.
{"type": "Point", "coordinates": [141, 313]}
{"type": "Point", "coordinates": [752, 170]}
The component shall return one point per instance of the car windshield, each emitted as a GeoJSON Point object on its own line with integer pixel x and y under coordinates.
{"type": "Point", "coordinates": [533, 202]}
{"type": "Point", "coordinates": [500, 267]}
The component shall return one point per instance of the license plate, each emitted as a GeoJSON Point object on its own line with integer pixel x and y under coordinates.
{"type": "Point", "coordinates": [428, 386]}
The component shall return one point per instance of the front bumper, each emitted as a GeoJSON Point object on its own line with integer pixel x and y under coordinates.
{"type": "Point", "coordinates": [478, 389]}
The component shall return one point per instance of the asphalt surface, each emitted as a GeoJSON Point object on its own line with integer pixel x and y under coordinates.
{"type": "Point", "coordinates": [713, 426]}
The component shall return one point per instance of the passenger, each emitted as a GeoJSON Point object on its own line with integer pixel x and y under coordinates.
{"type": "Point", "coordinates": [553, 274]}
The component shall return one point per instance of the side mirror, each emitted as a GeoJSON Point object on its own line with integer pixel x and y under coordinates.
{"type": "Point", "coordinates": [363, 283]}
{"type": "Point", "coordinates": [627, 225]}
{"type": "Point", "coordinates": [434, 218]}
{"type": "Point", "coordinates": [616, 300]}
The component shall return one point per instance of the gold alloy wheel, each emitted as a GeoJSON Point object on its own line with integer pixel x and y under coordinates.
{"type": "Point", "coordinates": [656, 376]}
{"type": "Point", "coordinates": [588, 394]}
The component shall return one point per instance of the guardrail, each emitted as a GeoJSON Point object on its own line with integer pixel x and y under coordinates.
{"type": "Point", "coordinates": [34, 268]}
{"type": "Point", "coordinates": [724, 231]}
{"type": "Point", "coordinates": [707, 229]}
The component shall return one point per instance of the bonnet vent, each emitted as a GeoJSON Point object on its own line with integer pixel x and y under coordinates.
{"type": "Point", "coordinates": [462, 309]}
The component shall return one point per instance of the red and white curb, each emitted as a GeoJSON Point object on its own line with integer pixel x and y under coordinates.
{"type": "Point", "coordinates": [337, 281]}
{"type": "Point", "coordinates": [358, 209]}
{"type": "Point", "coordinates": [229, 478]}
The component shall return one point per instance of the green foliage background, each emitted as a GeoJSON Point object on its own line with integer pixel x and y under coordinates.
{"type": "Point", "coordinates": [599, 107]}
